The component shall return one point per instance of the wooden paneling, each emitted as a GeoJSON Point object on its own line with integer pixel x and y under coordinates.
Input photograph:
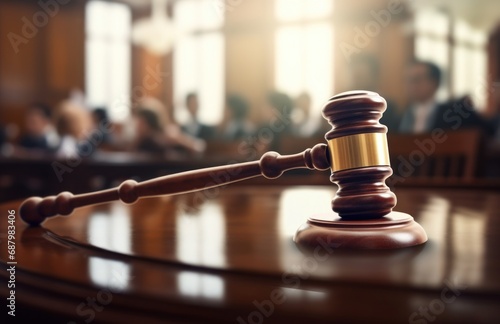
{"type": "Point", "coordinates": [46, 62]}
{"type": "Point", "coordinates": [19, 57]}
{"type": "Point", "coordinates": [66, 51]}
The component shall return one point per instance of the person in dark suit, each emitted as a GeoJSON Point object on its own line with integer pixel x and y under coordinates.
{"type": "Point", "coordinates": [149, 133]}
{"type": "Point", "coordinates": [278, 121]}
{"type": "Point", "coordinates": [423, 82]}
{"type": "Point", "coordinates": [237, 126]}
{"type": "Point", "coordinates": [40, 133]}
{"type": "Point", "coordinates": [305, 124]}
{"type": "Point", "coordinates": [155, 132]}
{"type": "Point", "coordinates": [194, 127]}
{"type": "Point", "coordinates": [461, 113]}
{"type": "Point", "coordinates": [100, 117]}
{"type": "Point", "coordinates": [426, 114]}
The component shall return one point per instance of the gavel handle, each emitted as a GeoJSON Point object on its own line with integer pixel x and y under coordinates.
{"type": "Point", "coordinates": [35, 210]}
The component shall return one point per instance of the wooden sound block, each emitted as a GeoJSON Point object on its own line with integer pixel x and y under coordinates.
{"type": "Point", "coordinates": [393, 231]}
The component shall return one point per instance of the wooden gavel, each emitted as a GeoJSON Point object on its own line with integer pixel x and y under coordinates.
{"type": "Point", "coordinates": [357, 154]}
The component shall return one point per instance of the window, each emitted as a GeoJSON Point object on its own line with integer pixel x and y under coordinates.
{"type": "Point", "coordinates": [308, 68]}
{"type": "Point", "coordinates": [107, 57]}
{"type": "Point", "coordinates": [438, 40]}
{"type": "Point", "coordinates": [199, 59]}
{"type": "Point", "coordinates": [431, 43]}
{"type": "Point", "coordinates": [294, 10]}
{"type": "Point", "coordinates": [469, 63]}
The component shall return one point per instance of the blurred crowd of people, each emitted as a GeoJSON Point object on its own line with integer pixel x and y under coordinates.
{"type": "Point", "coordinates": [66, 129]}
{"type": "Point", "coordinates": [61, 130]}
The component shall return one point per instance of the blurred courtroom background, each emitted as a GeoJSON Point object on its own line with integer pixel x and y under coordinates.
{"type": "Point", "coordinates": [95, 92]}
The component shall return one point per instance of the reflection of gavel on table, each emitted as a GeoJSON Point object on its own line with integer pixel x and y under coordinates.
{"type": "Point", "coordinates": [357, 154]}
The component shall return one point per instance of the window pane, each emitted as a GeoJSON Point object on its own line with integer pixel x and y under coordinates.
{"type": "Point", "coordinates": [319, 64]}
{"type": "Point", "coordinates": [306, 68]}
{"type": "Point", "coordinates": [211, 78]}
{"type": "Point", "coordinates": [464, 33]}
{"type": "Point", "coordinates": [469, 58]}
{"type": "Point", "coordinates": [432, 22]}
{"type": "Point", "coordinates": [95, 77]}
{"type": "Point", "coordinates": [287, 10]}
{"type": "Point", "coordinates": [119, 71]}
{"type": "Point", "coordinates": [290, 10]}
{"type": "Point", "coordinates": [317, 8]}
{"type": "Point", "coordinates": [460, 70]}
{"type": "Point", "coordinates": [192, 15]}
{"type": "Point", "coordinates": [184, 15]}
{"type": "Point", "coordinates": [185, 74]}
{"type": "Point", "coordinates": [209, 15]}
{"type": "Point", "coordinates": [199, 59]}
{"type": "Point", "coordinates": [107, 57]}
{"type": "Point", "coordinates": [199, 67]}
{"type": "Point", "coordinates": [470, 74]}
{"type": "Point", "coordinates": [119, 22]}
{"type": "Point", "coordinates": [289, 59]}
{"type": "Point", "coordinates": [430, 48]}
{"type": "Point", "coordinates": [478, 87]}
{"type": "Point", "coordinates": [95, 17]}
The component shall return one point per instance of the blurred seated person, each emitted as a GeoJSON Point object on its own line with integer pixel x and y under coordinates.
{"type": "Point", "coordinates": [40, 133]}
{"type": "Point", "coordinates": [101, 122]}
{"type": "Point", "coordinates": [73, 123]}
{"type": "Point", "coordinates": [237, 125]}
{"type": "Point", "coordinates": [278, 121]}
{"type": "Point", "coordinates": [304, 124]}
{"type": "Point", "coordinates": [461, 113]}
{"type": "Point", "coordinates": [423, 81]}
{"type": "Point", "coordinates": [156, 132]}
{"type": "Point", "coordinates": [425, 114]}
{"type": "Point", "coordinates": [365, 75]}
{"type": "Point", "coordinates": [194, 127]}
{"type": "Point", "coordinates": [149, 133]}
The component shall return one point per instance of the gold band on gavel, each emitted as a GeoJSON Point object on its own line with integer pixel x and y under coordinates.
{"type": "Point", "coordinates": [357, 151]}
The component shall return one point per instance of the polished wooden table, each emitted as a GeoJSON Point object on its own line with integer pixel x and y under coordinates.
{"type": "Point", "coordinates": [227, 255]}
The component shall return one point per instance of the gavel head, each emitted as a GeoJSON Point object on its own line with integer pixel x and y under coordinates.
{"type": "Point", "coordinates": [359, 155]}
